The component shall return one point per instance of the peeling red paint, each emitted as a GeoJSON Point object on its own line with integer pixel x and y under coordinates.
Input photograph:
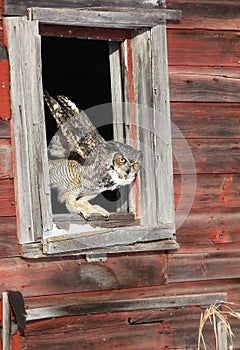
{"type": "Point", "coordinates": [4, 90]}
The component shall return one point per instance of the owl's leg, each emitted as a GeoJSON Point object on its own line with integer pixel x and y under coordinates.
{"type": "Point", "coordinates": [83, 207]}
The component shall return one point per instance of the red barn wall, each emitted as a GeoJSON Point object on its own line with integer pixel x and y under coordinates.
{"type": "Point", "coordinates": [204, 56]}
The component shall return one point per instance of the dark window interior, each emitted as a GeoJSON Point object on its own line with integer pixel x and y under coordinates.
{"type": "Point", "coordinates": [79, 69]}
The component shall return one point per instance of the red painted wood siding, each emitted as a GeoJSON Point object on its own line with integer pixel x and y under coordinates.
{"type": "Point", "coordinates": [205, 106]}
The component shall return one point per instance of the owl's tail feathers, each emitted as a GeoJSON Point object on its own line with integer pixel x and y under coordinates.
{"type": "Point", "coordinates": [69, 106]}
{"type": "Point", "coordinates": [55, 108]}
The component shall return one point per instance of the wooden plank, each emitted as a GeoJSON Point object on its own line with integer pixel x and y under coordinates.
{"type": "Point", "coordinates": [7, 198]}
{"type": "Point", "coordinates": [208, 227]}
{"type": "Point", "coordinates": [109, 337]}
{"type": "Point", "coordinates": [203, 47]}
{"type": "Point", "coordinates": [222, 337]}
{"type": "Point", "coordinates": [63, 221]}
{"type": "Point", "coordinates": [13, 7]}
{"type": "Point", "coordinates": [117, 108]}
{"type": "Point", "coordinates": [129, 116]}
{"type": "Point", "coordinates": [205, 120]}
{"type": "Point", "coordinates": [202, 264]}
{"type": "Point", "coordinates": [6, 170]}
{"type": "Point", "coordinates": [229, 286]}
{"type": "Point", "coordinates": [84, 32]}
{"type": "Point", "coordinates": [28, 129]}
{"type": "Point", "coordinates": [81, 239]}
{"type": "Point", "coordinates": [212, 191]}
{"type": "Point", "coordinates": [34, 250]}
{"type": "Point", "coordinates": [6, 321]}
{"type": "Point", "coordinates": [170, 330]}
{"type": "Point", "coordinates": [210, 156]}
{"type": "Point", "coordinates": [24, 186]}
{"type": "Point", "coordinates": [45, 277]}
{"type": "Point", "coordinates": [129, 18]}
{"type": "Point", "coordinates": [162, 126]}
{"type": "Point", "coordinates": [204, 84]}
{"type": "Point", "coordinates": [141, 128]}
{"type": "Point", "coordinates": [162, 302]}
{"type": "Point", "coordinates": [207, 14]}
{"type": "Point", "coordinates": [8, 237]}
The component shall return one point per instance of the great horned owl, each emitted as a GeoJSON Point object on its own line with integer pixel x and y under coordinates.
{"type": "Point", "coordinates": [94, 166]}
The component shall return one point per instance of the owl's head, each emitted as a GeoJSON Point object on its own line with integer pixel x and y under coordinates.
{"type": "Point", "coordinates": [125, 164]}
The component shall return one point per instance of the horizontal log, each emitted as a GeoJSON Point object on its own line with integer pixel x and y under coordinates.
{"type": "Point", "coordinates": [86, 237]}
{"type": "Point", "coordinates": [205, 120]}
{"type": "Point", "coordinates": [131, 318]}
{"type": "Point", "coordinates": [8, 237]}
{"type": "Point", "coordinates": [45, 277]}
{"type": "Point", "coordinates": [195, 264]}
{"type": "Point", "coordinates": [180, 333]}
{"type": "Point", "coordinates": [210, 156]}
{"type": "Point", "coordinates": [120, 336]}
{"type": "Point", "coordinates": [204, 84]}
{"type": "Point", "coordinates": [212, 191]}
{"type": "Point", "coordinates": [116, 17]}
{"type": "Point", "coordinates": [5, 159]}
{"type": "Point", "coordinates": [84, 32]}
{"type": "Point", "coordinates": [208, 227]}
{"type": "Point", "coordinates": [163, 302]}
{"type": "Point", "coordinates": [13, 7]}
{"type": "Point", "coordinates": [205, 48]}
{"type": "Point", "coordinates": [7, 198]}
{"type": "Point", "coordinates": [209, 14]}
{"type": "Point", "coordinates": [173, 289]}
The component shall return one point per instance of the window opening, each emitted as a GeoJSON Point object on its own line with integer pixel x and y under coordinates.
{"type": "Point", "coordinates": [79, 69]}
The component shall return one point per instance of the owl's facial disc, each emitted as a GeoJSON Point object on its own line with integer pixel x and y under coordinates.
{"type": "Point", "coordinates": [123, 171]}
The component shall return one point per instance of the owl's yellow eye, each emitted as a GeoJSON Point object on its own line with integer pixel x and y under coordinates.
{"type": "Point", "coordinates": [122, 160]}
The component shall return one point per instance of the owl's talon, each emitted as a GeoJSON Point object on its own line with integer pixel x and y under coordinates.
{"type": "Point", "coordinates": [85, 217]}
{"type": "Point", "coordinates": [106, 217]}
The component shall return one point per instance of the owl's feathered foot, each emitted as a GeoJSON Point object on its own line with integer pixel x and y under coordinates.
{"type": "Point", "coordinates": [82, 207]}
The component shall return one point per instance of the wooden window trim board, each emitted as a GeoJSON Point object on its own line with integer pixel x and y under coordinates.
{"type": "Point", "coordinates": [156, 230]}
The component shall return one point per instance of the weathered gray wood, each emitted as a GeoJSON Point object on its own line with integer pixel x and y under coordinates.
{"type": "Point", "coordinates": [6, 323]}
{"type": "Point", "coordinates": [75, 241]}
{"type": "Point", "coordinates": [117, 106]}
{"type": "Point", "coordinates": [33, 196]}
{"type": "Point", "coordinates": [118, 219]}
{"type": "Point", "coordinates": [129, 18]}
{"type": "Point", "coordinates": [162, 126]}
{"type": "Point", "coordinates": [18, 7]}
{"type": "Point", "coordinates": [221, 339]}
{"type": "Point", "coordinates": [151, 89]}
{"type": "Point", "coordinates": [144, 119]}
{"type": "Point", "coordinates": [125, 305]}
{"type": "Point", "coordinates": [16, 33]}
{"type": "Point", "coordinates": [34, 250]}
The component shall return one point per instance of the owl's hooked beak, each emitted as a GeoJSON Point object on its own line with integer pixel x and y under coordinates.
{"type": "Point", "coordinates": [128, 171]}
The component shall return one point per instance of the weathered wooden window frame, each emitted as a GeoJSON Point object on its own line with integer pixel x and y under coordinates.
{"type": "Point", "coordinates": [145, 83]}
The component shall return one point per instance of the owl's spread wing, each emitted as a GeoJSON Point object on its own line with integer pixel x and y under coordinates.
{"type": "Point", "coordinates": [77, 129]}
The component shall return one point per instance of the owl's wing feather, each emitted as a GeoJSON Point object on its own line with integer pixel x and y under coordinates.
{"type": "Point", "coordinates": [76, 127]}
{"type": "Point", "coordinates": [69, 106]}
{"type": "Point", "coordinates": [57, 111]}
